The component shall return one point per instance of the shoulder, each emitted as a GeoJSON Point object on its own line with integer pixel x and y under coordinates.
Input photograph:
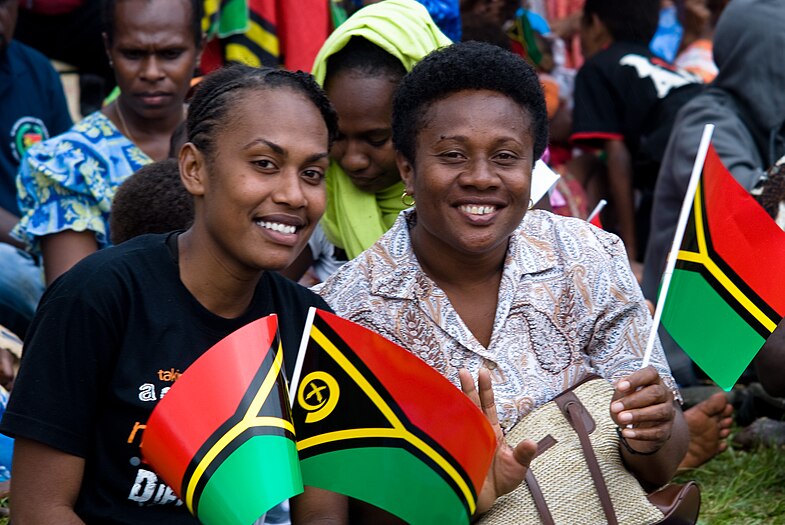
{"type": "Point", "coordinates": [105, 268]}
{"type": "Point", "coordinates": [31, 58]}
{"type": "Point", "coordinates": [387, 269]}
{"type": "Point", "coordinates": [92, 144]}
{"type": "Point", "coordinates": [569, 238]}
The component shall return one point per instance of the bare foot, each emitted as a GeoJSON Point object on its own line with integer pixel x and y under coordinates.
{"type": "Point", "coordinates": [709, 422]}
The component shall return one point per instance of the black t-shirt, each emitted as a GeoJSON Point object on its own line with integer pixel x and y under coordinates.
{"type": "Point", "coordinates": [109, 339]}
{"type": "Point", "coordinates": [626, 93]}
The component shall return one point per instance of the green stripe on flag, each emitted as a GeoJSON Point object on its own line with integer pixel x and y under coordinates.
{"type": "Point", "coordinates": [258, 475]}
{"type": "Point", "coordinates": [415, 492]}
{"type": "Point", "coordinates": [712, 333]}
{"type": "Point", "coordinates": [233, 18]}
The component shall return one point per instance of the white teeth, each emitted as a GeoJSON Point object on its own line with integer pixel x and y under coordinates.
{"type": "Point", "coordinates": [277, 226]}
{"type": "Point", "coordinates": [477, 210]}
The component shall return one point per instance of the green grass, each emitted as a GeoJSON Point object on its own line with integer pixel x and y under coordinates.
{"type": "Point", "coordinates": [746, 488]}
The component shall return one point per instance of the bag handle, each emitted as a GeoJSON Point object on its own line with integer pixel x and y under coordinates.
{"type": "Point", "coordinates": [575, 413]}
{"type": "Point", "coordinates": [539, 499]}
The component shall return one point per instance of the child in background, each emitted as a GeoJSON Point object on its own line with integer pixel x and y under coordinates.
{"type": "Point", "coordinates": [152, 200]}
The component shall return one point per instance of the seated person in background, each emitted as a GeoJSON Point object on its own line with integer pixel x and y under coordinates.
{"type": "Point", "coordinates": [66, 184]}
{"type": "Point", "coordinates": [32, 108]}
{"type": "Point", "coordinates": [467, 279]}
{"type": "Point", "coordinates": [359, 66]}
{"type": "Point", "coordinates": [747, 107]}
{"type": "Point", "coordinates": [90, 376]}
{"type": "Point", "coordinates": [152, 200]}
{"type": "Point", "coordinates": [625, 103]}
{"type": "Point", "coordinates": [695, 51]}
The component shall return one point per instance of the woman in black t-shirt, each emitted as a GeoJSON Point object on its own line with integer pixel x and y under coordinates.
{"type": "Point", "coordinates": [113, 333]}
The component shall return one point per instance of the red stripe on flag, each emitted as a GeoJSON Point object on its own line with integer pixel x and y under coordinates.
{"type": "Point", "coordinates": [743, 234]}
{"type": "Point", "coordinates": [204, 397]}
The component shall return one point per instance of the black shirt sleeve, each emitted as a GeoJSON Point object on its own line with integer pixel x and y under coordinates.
{"type": "Point", "coordinates": [67, 355]}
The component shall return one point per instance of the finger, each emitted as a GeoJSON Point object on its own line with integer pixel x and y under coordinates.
{"type": "Point", "coordinates": [524, 452]}
{"type": "Point", "coordinates": [487, 401]}
{"type": "Point", "coordinates": [468, 386]}
{"type": "Point", "coordinates": [648, 396]}
{"type": "Point", "coordinates": [657, 414]}
{"type": "Point", "coordinates": [639, 378]}
{"type": "Point", "coordinates": [659, 433]}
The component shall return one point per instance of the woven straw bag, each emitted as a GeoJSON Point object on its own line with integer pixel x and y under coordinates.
{"type": "Point", "coordinates": [565, 485]}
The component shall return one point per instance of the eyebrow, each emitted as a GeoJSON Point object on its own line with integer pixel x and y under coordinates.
{"type": "Point", "coordinates": [272, 145]}
{"type": "Point", "coordinates": [281, 151]}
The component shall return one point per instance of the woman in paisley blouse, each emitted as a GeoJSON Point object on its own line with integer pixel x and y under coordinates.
{"type": "Point", "coordinates": [66, 184]}
{"type": "Point", "coordinates": [467, 279]}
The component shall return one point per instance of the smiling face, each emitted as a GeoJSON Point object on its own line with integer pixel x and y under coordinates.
{"type": "Point", "coordinates": [260, 195]}
{"type": "Point", "coordinates": [154, 55]}
{"type": "Point", "coordinates": [471, 174]}
{"type": "Point", "coordinates": [364, 146]}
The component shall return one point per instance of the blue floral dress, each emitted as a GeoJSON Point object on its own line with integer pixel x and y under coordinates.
{"type": "Point", "coordinates": [68, 182]}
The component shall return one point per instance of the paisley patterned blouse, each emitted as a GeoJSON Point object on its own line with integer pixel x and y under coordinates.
{"type": "Point", "coordinates": [568, 306]}
{"type": "Point", "coordinates": [68, 182]}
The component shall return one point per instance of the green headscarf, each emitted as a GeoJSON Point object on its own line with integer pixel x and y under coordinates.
{"type": "Point", "coordinates": [354, 219]}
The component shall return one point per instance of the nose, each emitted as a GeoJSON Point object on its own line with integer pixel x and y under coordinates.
{"type": "Point", "coordinates": [289, 190]}
{"type": "Point", "coordinates": [151, 68]}
{"type": "Point", "coordinates": [480, 174]}
{"type": "Point", "coordinates": [353, 158]}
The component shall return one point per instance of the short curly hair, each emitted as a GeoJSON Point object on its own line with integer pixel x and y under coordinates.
{"type": "Point", "coordinates": [460, 67]}
{"type": "Point", "coordinates": [626, 20]}
{"type": "Point", "coordinates": [152, 200]}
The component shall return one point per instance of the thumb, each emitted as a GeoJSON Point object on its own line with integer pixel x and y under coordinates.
{"type": "Point", "coordinates": [524, 452]}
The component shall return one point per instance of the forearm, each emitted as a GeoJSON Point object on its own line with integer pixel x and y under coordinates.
{"type": "Point", "coordinates": [655, 470]}
{"type": "Point", "coordinates": [46, 484]}
{"type": "Point", "coordinates": [621, 193]}
{"type": "Point", "coordinates": [320, 507]}
{"type": "Point", "coordinates": [7, 222]}
{"type": "Point", "coordinates": [64, 249]}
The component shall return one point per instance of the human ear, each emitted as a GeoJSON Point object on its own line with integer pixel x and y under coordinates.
{"type": "Point", "coordinates": [193, 171]}
{"type": "Point", "coordinates": [406, 170]}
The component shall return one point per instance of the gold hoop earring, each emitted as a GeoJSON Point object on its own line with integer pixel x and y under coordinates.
{"type": "Point", "coordinates": [531, 204]}
{"type": "Point", "coordinates": [406, 203]}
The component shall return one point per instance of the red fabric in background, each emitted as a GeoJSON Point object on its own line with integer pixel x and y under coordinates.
{"type": "Point", "coordinates": [303, 26]}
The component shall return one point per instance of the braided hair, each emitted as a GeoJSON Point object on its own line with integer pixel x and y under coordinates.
{"type": "Point", "coordinates": [221, 89]}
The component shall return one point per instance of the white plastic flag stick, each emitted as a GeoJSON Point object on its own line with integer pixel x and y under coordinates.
{"type": "Point", "coordinates": [597, 209]}
{"type": "Point", "coordinates": [686, 209]}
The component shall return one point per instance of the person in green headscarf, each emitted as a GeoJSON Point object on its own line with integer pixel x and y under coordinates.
{"type": "Point", "coordinates": [359, 66]}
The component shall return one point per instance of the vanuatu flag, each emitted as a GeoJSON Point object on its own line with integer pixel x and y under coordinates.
{"type": "Point", "coordinates": [223, 438]}
{"type": "Point", "coordinates": [378, 424]}
{"type": "Point", "coordinates": [727, 291]}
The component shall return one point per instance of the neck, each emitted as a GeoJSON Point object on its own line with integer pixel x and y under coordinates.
{"type": "Point", "coordinates": [150, 135]}
{"type": "Point", "coordinates": [450, 269]}
{"type": "Point", "coordinates": [224, 291]}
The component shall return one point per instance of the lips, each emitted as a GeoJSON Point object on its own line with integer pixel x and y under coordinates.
{"type": "Point", "coordinates": [155, 98]}
{"type": "Point", "coordinates": [479, 210]}
{"type": "Point", "coordinates": [364, 181]}
{"type": "Point", "coordinates": [281, 229]}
